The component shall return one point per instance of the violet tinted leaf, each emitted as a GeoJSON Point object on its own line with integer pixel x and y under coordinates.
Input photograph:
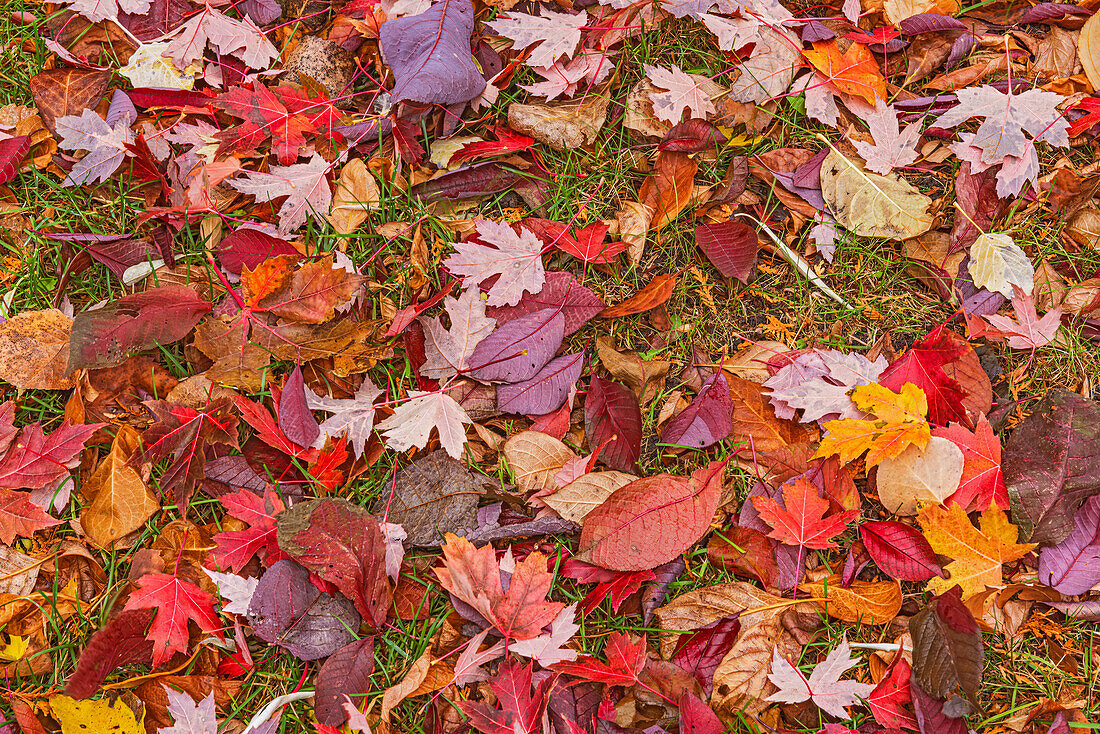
{"type": "Point", "coordinates": [546, 391]}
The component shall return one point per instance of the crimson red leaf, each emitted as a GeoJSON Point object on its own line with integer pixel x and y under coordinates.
{"type": "Point", "coordinates": [121, 642]}
{"type": "Point", "coordinates": [612, 417]}
{"type": "Point", "coordinates": [177, 603]}
{"type": "Point", "coordinates": [701, 652]}
{"type": "Point", "coordinates": [12, 152]}
{"type": "Point", "coordinates": [982, 483]}
{"type": "Point", "coordinates": [107, 336]}
{"type": "Point", "coordinates": [546, 391]}
{"type": "Point", "coordinates": [345, 674]}
{"type": "Point", "coordinates": [178, 99]}
{"type": "Point", "coordinates": [706, 421]}
{"type": "Point", "coordinates": [618, 584]}
{"type": "Point", "coordinates": [519, 349]}
{"type": "Point", "coordinates": [341, 543]}
{"type": "Point", "coordinates": [36, 459]}
{"type": "Point", "coordinates": [520, 711]}
{"type": "Point", "coordinates": [21, 517]}
{"type": "Point", "coordinates": [295, 418]}
{"type": "Point", "coordinates": [746, 552]}
{"type": "Point", "coordinates": [588, 245]}
{"type": "Point", "coordinates": [247, 248]}
{"type": "Point", "coordinates": [697, 717]}
{"type": "Point", "coordinates": [900, 551]}
{"type": "Point", "coordinates": [730, 246]}
{"type": "Point", "coordinates": [508, 141]}
{"type": "Point", "coordinates": [260, 418]}
{"type": "Point", "coordinates": [802, 519]}
{"type": "Point", "coordinates": [562, 292]}
{"type": "Point", "coordinates": [235, 548]}
{"type": "Point", "coordinates": [625, 662]}
{"type": "Point", "coordinates": [651, 520]}
{"type": "Point", "coordinates": [480, 179]}
{"type": "Point", "coordinates": [923, 365]}
{"type": "Point", "coordinates": [891, 693]}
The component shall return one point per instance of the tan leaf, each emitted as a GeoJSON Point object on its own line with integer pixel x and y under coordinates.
{"type": "Point", "coordinates": [699, 608]}
{"type": "Point", "coordinates": [356, 192]}
{"type": "Point", "coordinates": [1088, 49]}
{"type": "Point", "coordinates": [18, 571]}
{"type": "Point", "coordinates": [645, 378]}
{"type": "Point", "coordinates": [404, 688]}
{"type": "Point", "coordinates": [633, 220]}
{"type": "Point", "coordinates": [741, 679]}
{"type": "Point", "coordinates": [562, 125]}
{"type": "Point", "coordinates": [34, 350]}
{"type": "Point", "coordinates": [917, 476]}
{"type": "Point", "coordinates": [750, 361]}
{"type": "Point", "coordinates": [119, 501]}
{"type": "Point", "coordinates": [585, 493]}
{"type": "Point", "coordinates": [864, 602]}
{"type": "Point", "coordinates": [870, 204]}
{"type": "Point", "coordinates": [535, 458]}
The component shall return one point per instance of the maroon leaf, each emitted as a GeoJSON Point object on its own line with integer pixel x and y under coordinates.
{"type": "Point", "coordinates": [247, 248]}
{"type": "Point", "coordinates": [656, 593]}
{"type": "Point", "coordinates": [177, 99]}
{"type": "Point", "coordinates": [12, 152]}
{"type": "Point", "coordinates": [107, 336]}
{"type": "Point", "coordinates": [618, 584]}
{"type": "Point", "coordinates": [480, 179]}
{"type": "Point", "coordinates": [696, 717]}
{"type": "Point", "coordinates": [430, 56]}
{"type": "Point", "coordinates": [931, 717]}
{"type": "Point", "coordinates": [706, 421]}
{"type": "Point", "coordinates": [947, 648]}
{"type": "Point", "coordinates": [289, 611]}
{"type": "Point", "coordinates": [561, 291]}
{"type": "Point", "coordinates": [1051, 465]}
{"type": "Point", "coordinates": [121, 642]}
{"type": "Point", "coordinates": [345, 674]}
{"type": "Point", "coordinates": [701, 652]}
{"type": "Point", "coordinates": [730, 246]}
{"type": "Point", "coordinates": [900, 551]}
{"type": "Point", "coordinates": [519, 349]}
{"type": "Point", "coordinates": [692, 136]}
{"type": "Point", "coordinates": [342, 544]}
{"type": "Point", "coordinates": [295, 417]}
{"type": "Point", "coordinates": [612, 417]}
{"type": "Point", "coordinates": [162, 17]}
{"type": "Point", "coordinates": [518, 709]}
{"type": "Point", "coordinates": [546, 391]}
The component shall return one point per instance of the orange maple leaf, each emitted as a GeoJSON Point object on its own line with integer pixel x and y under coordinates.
{"type": "Point", "coordinates": [898, 423]}
{"type": "Point", "coordinates": [853, 72]}
{"type": "Point", "coordinates": [978, 553]}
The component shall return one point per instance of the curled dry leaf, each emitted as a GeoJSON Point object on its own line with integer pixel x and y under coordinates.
{"type": "Point", "coordinates": [562, 125]}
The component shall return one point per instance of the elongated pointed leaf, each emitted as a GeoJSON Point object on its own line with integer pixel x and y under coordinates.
{"type": "Point", "coordinates": [612, 415]}
{"type": "Point", "coordinates": [519, 349]}
{"type": "Point", "coordinates": [546, 391]}
{"type": "Point", "coordinates": [900, 551]}
{"type": "Point", "coordinates": [730, 246]}
{"type": "Point", "coordinates": [706, 421]}
{"type": "Point", "coordinates": [1073, 566]}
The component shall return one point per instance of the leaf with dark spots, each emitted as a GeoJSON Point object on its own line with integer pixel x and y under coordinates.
{"type": "Point", "coordinates": [613, 421]}
{"type": "Point", "coordinates": [295, 418]}
{"type": "Point", "coordinates": [480, 179]}
{"type": "Point", "coordinates": [900, 551]}
{"type": "Point", "coordinates": [107, 336]}
{"type": "Point", "coordinates": [289, 611]}
{"type": "Point", "coordinates": [61, 92]}
{"type": "Point", "coordinates": [947, 647]}
{"type": "Point", "coordinates": [654, 294]}
{"type": "Point", "coordinates": [517, 350]}
{"type": "Point", "coordinates": [430, 56]}
{"type": "Point", "coordinates": [651, 520]}
{"type": "Point", "coordinates": [546, 391]}
{"type": "Point", "coordinates": [435, 495]}
{"type": "Point", "coordinates": [701, 652]}
{"type": "Point", "coordinates": [343, 544]}
{"type": "Point", "coordinates": [346, 674]}
{"type": "Point", "coordinates": [1052, 465]}
{"type": "Point", "coordinates": [247, 248]}
{"type": "Point", "coordinates": [561, 292]}
{"type": "Point", "coordinates": [121, 642]}
{"type": "Point", "coordinates": [706, 421]}
{"type": "Point", "coordinates": [730, 246]}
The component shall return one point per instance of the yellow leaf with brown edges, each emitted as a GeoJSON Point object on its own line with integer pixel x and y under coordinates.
{"type": "Point", "coordinates": [898, 422]}
{"type": "Point", "coordinates": [978, 554]}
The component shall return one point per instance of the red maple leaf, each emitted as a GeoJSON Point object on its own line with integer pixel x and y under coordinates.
{"type": "Point", "coordinates": [519, 711]}
{"type": "Point", "coordinates": [326, 473]}
{"type": "Point", "coordinates": [619, 584]}
{"type": "Point", "coordinates": [36, 459]}
{"type": "Point", "coordinates": [19, 516]}
{"type": "Point", "coordinates": [802, 519]}
{"type": "Point", "coordinates": [265, 116]}
{"type": "Point", "coordinates": [625, 662]}
{"type": "Point", "coordinates": [269, 432]}
{"type": "Point", "coordinates": [177, 603]}
{"type": "Point", "coordinates": [982, 483]}
{"type": "Point", "coordinates": [891, 693]}
{"type": "Point", "coordinates": [923, 366]}
{"type": "Point", "coordinates": [183, 433]}
{"type": "Point", "coordinates": [507, 141]}
{"type": "Point", "coordinates": [236, 547]}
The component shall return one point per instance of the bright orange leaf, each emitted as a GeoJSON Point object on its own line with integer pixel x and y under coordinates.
{"type": "Point", "coordinates": [853, 72]}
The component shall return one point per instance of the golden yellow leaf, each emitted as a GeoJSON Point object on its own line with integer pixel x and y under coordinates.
{"type": "Point", "coordinates": [978, 555]}
{"type": "Point", "coordinates": [15, 649]}
{"type": "Point", "coordinates": [95, 717]}
{"type": "Point", "coordinates": [898, 423]}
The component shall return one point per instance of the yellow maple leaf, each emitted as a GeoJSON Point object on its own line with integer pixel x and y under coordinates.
{"type": "Point", "coordinates": [978, 555]}
{"type": "Point", "coordinates": [898, 423]}
{"type": "Point", "coordinates": [96, 717]}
